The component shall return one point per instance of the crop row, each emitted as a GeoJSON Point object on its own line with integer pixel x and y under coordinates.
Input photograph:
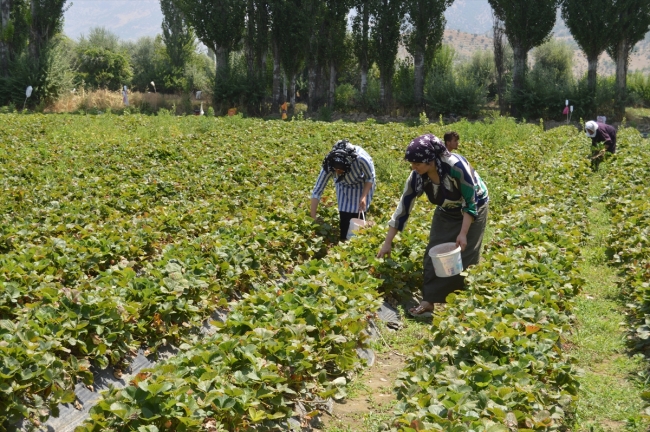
{"type": "Point", "coordinates": [131, 408]}
{"type": "Point", "coordinates": [495, 359]}
{"type": "Point", "coordinates": [130, 234]}
{"type": "Point", "coordinates": [109, 244]}
{"type": "Point", "coordinates": [628, 243]}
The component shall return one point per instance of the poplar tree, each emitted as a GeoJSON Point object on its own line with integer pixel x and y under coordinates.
{"type": "Point", "coordinates": [386, 20]}
{"type": "Point", "coordinates": [14, 31]}
{"type": "Point", "coordinates": [291, 26]}
{"type": "Point", "coordinates": [528, 23]}
{"type": "Point", "coordinates": [219, 24]}
{"type": "Point", "coordinates": [591, 31]}
{"type": "Point", "coordinates": [361, 39]}
{"type": "Point", "coordinates": [427, 26]}
{"type": "Point", "coordinates": [46, 20]}
{"type": "Point", "coordinates": [630, 23]}
{"type": "Point", "coordinates": [177, 35]}
{"type": "Point", "coordinates": [336, 25]}
{"type": "Point", "coordinates": [499, 46]}
{"type": "Point", "coordinates": [257, 37]}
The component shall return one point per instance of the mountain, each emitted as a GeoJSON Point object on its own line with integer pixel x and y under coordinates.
{"type": "Point", "coordinates": [470, 16]}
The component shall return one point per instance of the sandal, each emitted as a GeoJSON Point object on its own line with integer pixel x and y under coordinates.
{"type": "Point", "coordinates": [421, 311]}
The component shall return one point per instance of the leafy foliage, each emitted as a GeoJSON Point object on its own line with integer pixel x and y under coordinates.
{"type": "Point", "coordinates": [104, 68]}
{"type": "Point", "coordinates": [495, 358]}
{"type": "Point", "coordinates": [628, 243]}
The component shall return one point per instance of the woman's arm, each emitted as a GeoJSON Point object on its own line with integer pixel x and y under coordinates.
{"type": "Point", "coordinates": [401, 215]}
{"type": "Point", "coordinates": [388, 243]}
{"type": "Point", "coordinates": [313, 207]}
{"type": "Point", "coordinates": [363, 203]}
{"type": "Point", "coordinates": [461, 240]}
{"type": "Point", "coordinates": [319, 188]}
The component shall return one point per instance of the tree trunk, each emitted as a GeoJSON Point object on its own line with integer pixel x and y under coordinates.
{"type": "Point", "coordinates": [363, 62]}
{"type": "Point", "coordinates": [284, 88]}
{"type": "Point", "coordinates": [221, 54]}
{"type": "Point", "coordinates": [499, 62]}
{"type": "Point", "coordinates": [311, 88]}
{"type": "Point", "coordinates": [418, 72]}
{"type": "Point", "coordinates": [622, 52]}
{"type": "Point", "coordinates": [332, 92]}
{"type": "Point", "coordinates": [5, 10]}
{"type": "Point", "coordinates": [592, 71]}
{"type": "Point", "coordinates": [250, 48]}
{"type": "Point", "coordinates": [518, 75]}
{"type": "Point", "coordinates": [33, 33]}
{"type": "Point", "coordinates": [320, 74]}
{"type": "Point", "coordinates": [292, 93]}
{"type": "Point", "coordinates": [385, 92]}
{"type": "Point", "coordinates": [275, 106]}
{"type": "Point", "coordinates": [364, 80]}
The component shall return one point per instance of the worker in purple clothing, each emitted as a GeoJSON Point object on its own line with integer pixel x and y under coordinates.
{"type": "Point", "coordinates": [601, 133]}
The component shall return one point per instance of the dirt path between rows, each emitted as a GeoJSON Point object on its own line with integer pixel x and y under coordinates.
{"type": "Point", "coordinates": [371, 398]}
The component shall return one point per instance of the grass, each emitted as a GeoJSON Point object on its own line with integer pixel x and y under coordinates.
{"type": "Point", "coordinates": [609, 398]}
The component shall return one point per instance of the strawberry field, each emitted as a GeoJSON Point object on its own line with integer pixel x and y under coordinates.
{"type": "Point", "coordinates": [122, 233]}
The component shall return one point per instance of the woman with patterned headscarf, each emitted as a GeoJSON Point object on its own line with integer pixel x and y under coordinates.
{"type": "Point", "coordinates": [354, 175]}
{"type": "Point", "coordinates": [461, 197]}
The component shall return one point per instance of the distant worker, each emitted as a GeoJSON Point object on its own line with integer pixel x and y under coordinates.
{"type": "Point", "coordinates": [451, 140]}
{"type": "Point", "coordinates": [284, 108]}
{"type": "Point", "coordinates": [354, 180]}
{"type": "Point", "coordinates": [601, 133]}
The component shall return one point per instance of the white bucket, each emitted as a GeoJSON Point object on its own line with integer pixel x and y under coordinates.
{"type": "Point", "coordinates": [355, 225]}
{"type": "Point", "coordinates": [446, 259]}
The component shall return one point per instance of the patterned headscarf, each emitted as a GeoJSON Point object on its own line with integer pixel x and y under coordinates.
{"type": "Point", "coordinates": [427, 148]}
{"type": "Point", "coordinates": [340, 157]}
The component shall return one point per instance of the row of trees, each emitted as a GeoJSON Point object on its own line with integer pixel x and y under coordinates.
{"type": "Point", "coordinates": [311, 35]}
{"type": "Point", "coordinates": [262, 46]}
{"type": "Point", "coordinates": [612, 25]}
{"type": "Point", "coordinates": [33, 51]}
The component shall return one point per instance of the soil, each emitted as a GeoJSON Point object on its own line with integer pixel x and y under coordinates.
{"type": "Point", "coordinates": [372, 394]}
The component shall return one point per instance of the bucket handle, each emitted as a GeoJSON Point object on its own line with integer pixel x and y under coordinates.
{"type": "Point", "coordinates": [363, 217]}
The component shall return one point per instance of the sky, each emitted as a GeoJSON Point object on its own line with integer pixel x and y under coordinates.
{"type": "Point", "coordinates": [129, 19]}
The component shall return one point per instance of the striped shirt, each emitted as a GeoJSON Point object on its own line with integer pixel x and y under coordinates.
{"type": "Point", "coordinates": [463, 191]}
{"type": "Point", "coordinates": [350, 188]}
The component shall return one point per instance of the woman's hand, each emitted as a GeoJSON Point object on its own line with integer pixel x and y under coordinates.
{"type": "Point", "coordinates": [384, 251]}
{"type": "Point", "coordinates": [362, 204]}
{"type": "Point", "coordinates": [461, 241]}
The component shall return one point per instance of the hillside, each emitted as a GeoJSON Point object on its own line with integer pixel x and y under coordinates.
{"type": "Point", "coordinates": [466, 44]}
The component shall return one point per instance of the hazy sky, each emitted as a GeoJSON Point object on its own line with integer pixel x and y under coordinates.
{"type": "Point", "coordinates": [129, 19]}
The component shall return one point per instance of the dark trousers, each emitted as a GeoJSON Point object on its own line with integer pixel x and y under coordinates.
{"type": "Point", "coordinates": [445, 227]}
{"type": "Point", "coordinates": [344, 223]}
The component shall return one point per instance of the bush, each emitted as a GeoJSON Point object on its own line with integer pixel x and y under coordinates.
{"type": "Point", "coordinates": [587, 105]}
{"type": "Point", "coordinates": [638, 86]}
{"type": "Point", "coordinates": [403, 83]}
{"type": "Point", "coordinates": [554, 59]}
{"type": "Point", "coordinates": [50, 76]}
{"type": "Point", "coordinates": [345, 98]}
{"type": "Point", "coordinates": [371, 101]}
{"type": "Point", "coordinates": [446, 94]}
{"type": "Point", "coordinates": [234, 88]}
{"type": "Point", "coordinates": [481, 71]}
{"type": "Point", "coordinates": [103, 68]}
